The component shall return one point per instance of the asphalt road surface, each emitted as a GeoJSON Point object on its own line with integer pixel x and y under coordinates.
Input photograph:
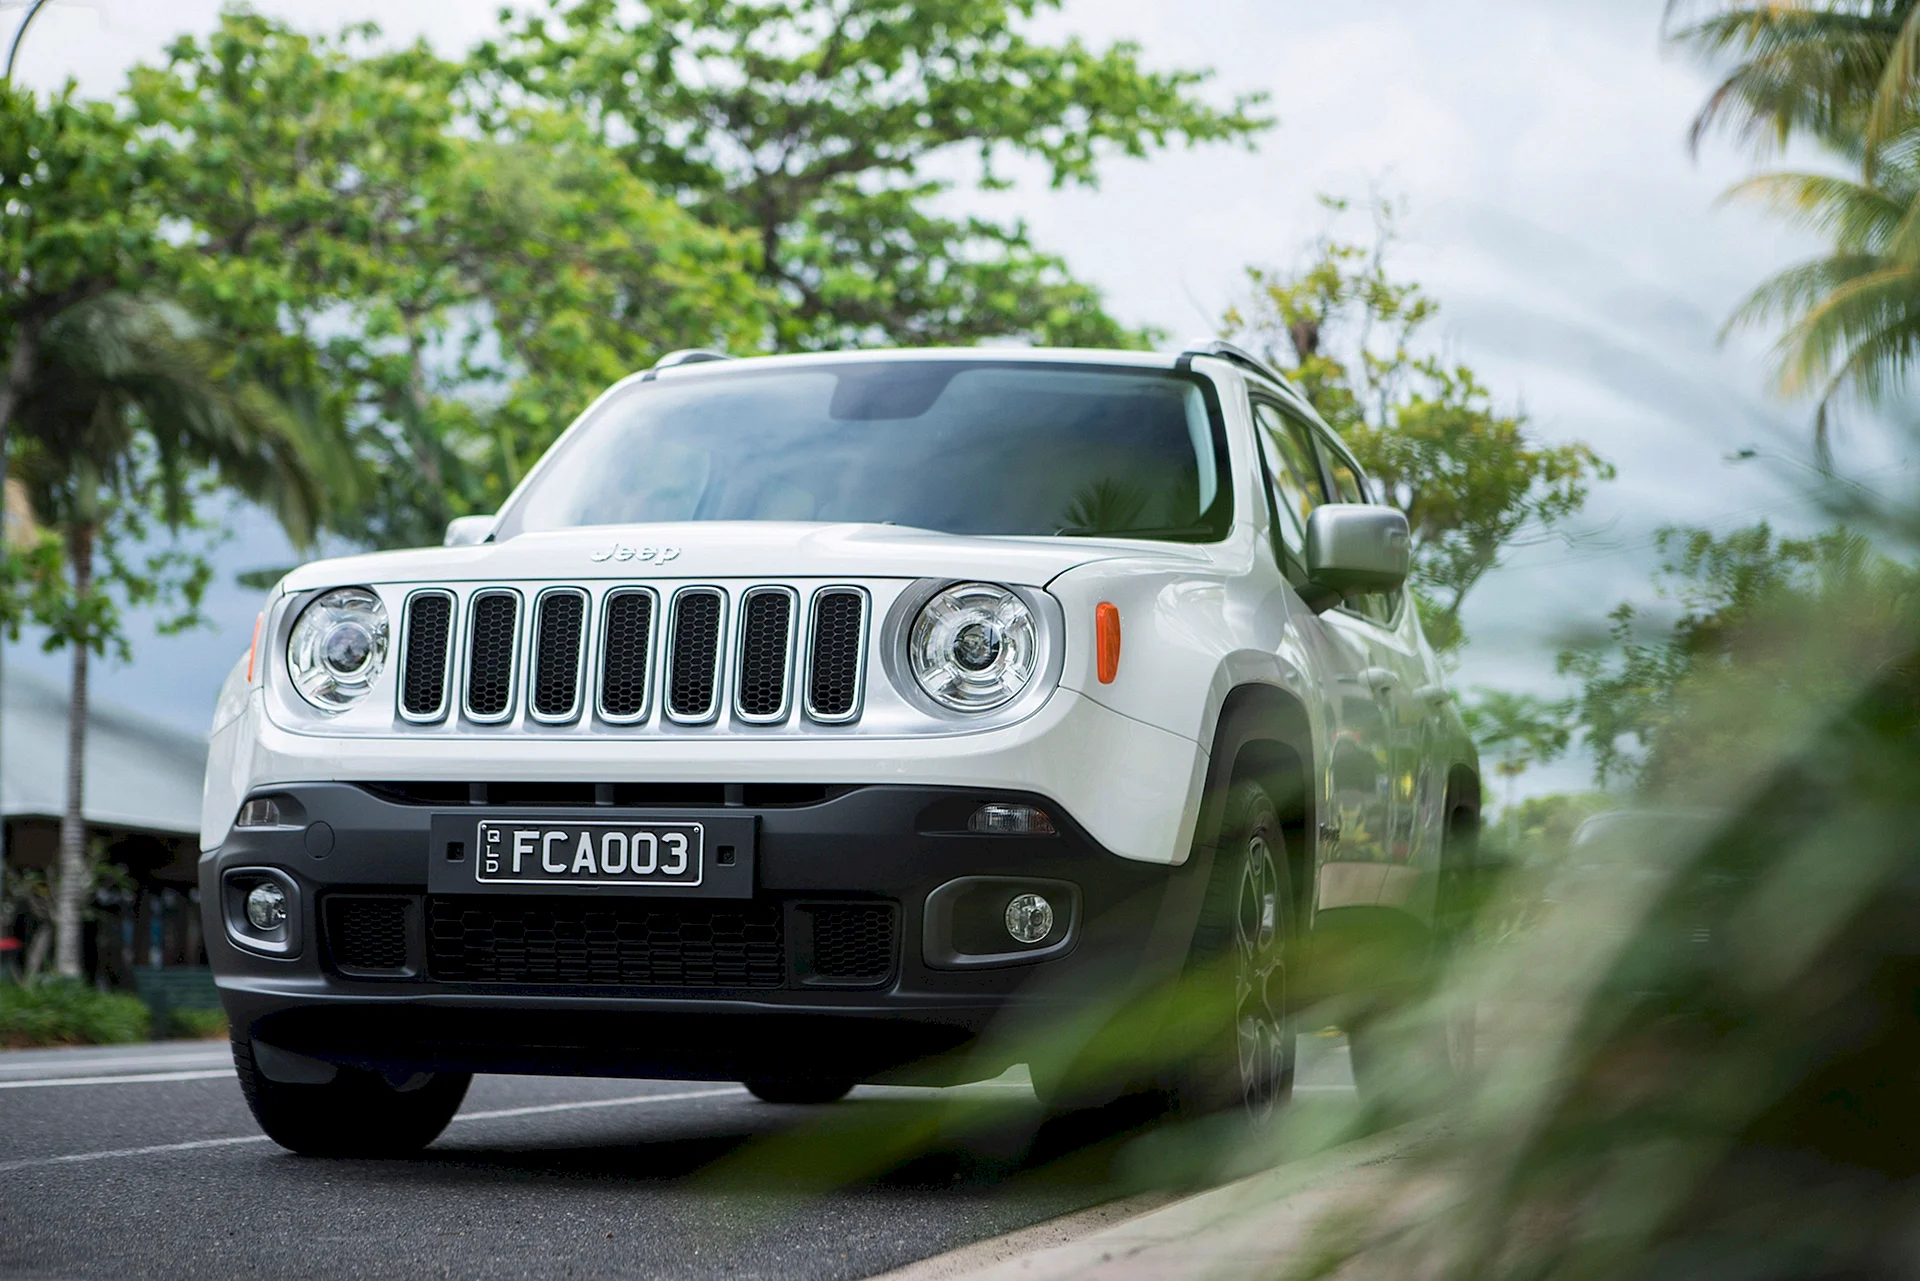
{"type": "Point", "coordinates": [142, 1161]}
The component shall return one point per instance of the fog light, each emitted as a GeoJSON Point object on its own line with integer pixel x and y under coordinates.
{"type": "Point", "coordinates": [1029, 918]}
{"type": "Point", "coordinates": [258, 813]}
{"type": "Point", "coordinates": [1011, 820]}
{"type": "Point", "coordinates": [267, 906]}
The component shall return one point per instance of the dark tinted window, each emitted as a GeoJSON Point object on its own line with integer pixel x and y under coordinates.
{"type": "Point", "coordinates": [1297, 488]}
{"type": "Point", "coordinates": [963, 447]}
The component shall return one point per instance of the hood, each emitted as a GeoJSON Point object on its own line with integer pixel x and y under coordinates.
{"type": "Point", "coordinates": [706, 550]}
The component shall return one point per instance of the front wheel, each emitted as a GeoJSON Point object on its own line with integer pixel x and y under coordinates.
{"type": "Point", "coordinates": [798, 1090]}
{"type": "Point", "coordinates": [1235, 1042]}
{"type": "Point", "coordinates": [358, 1113]}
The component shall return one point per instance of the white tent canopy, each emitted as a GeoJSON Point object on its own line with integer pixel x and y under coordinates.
{"type": "Point", "coordinates": [141, 773]}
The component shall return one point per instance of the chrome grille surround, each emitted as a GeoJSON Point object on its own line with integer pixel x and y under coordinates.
{"type": "Point", "coordinates": [830, 715]}
{"type": "Point", "coordinates": [749, 667]}
{"type": "Point", "coordinates": [477, 667]}
{"type": "Point", "coordinates": [541, 652]}
{"type": "Point", "coordinates": [617, 663]}
{"type": "Point", "coordinates": [692, 663]}
{"type": "Point", "coordinates": [409, 638]}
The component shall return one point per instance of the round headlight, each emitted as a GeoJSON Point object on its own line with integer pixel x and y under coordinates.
{"type": "Point", "coordinates": [338, 647]}
{"type": "Point", "coordinates": [973, 647]}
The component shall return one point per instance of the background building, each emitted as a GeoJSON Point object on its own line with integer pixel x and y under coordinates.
{"type": "Point", "coordinates": [142, 806]}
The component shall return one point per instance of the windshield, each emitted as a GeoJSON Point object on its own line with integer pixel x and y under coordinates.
{"type": "Point", "coordinates": [962, 447]}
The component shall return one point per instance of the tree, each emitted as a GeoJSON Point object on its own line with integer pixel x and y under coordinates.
{"type": "Point", "coordinates": [826, 130]}
{"type": "Point", "coordinates": [446, 297]}
{"type": "Point", "coordinates": [1771, 635]}
{"type": "Point", "coordinates": [1472, 480]}
{"type": "Point", "coordinates": [1852, 315]}
{"type": "Point", "coordinates": [1519, 731]}
{"type": "Point", "coordinates": [127, 408]}
{"type": "Point", "coordinates": [1813, 67]}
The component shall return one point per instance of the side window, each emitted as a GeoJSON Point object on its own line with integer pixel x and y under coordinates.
{"type": "Point", "coordinates": [1347, 484]}
{"type": "Point", "coordinates": [1297, 488]}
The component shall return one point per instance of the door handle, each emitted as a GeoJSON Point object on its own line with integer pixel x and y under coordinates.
{"type": "Point", "coordinates": [1379, 679]}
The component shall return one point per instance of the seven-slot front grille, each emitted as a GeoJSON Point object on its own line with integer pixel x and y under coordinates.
{"type": "Point", "coordinates": [626, 647]}
{"type": "Point", "coordinates": [559, 653]}
{"type": "Point", "coordinates": [839, 654]}
{"type": "Point", "coordinates": [578, 653]}
{"type": "Point", "coordinates": [493, 634]}
{"type": "Point", "coordinates": [426, 649]}
{"type": "Point", "coordinates": [766, 642]}
{"type": "Point", "coordinates": [693, 659]}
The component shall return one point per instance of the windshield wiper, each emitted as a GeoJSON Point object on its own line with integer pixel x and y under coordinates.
{"type": "Point", "coordinates": [1170, 533]}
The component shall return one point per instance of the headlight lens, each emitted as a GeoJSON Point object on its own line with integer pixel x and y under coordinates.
{"type": "Point", "coordinates": [338, 648]}
{"type": "Point", "coordinates": [973, 647]}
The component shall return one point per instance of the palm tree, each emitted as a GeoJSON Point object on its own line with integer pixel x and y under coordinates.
{"type": "Point", "coordinates": [1831, 69]}
{"type": "Point", "coordinates": [1853, 314]}
{"type": "Point", "coordinates": [127, 404]}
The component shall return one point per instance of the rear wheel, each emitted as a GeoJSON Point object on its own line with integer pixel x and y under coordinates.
{"type": "Point", "coordinates": [1239, 1040]}
{"type": "Point", "coordinates": [799, 1090]}
{"type": "Point", "coordinates": [358, 1113]}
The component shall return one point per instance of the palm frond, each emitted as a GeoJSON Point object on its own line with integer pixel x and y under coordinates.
{"type": "Point", "coordinates": [1858, 216]}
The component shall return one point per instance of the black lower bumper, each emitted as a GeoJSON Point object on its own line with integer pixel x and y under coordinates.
{"type": "Point", "coordinates": [862, 938]}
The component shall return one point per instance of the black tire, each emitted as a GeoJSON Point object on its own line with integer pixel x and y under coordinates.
{"type": "Point", "coordinates": [357, 1114]}
{"type": "Point", "coordinates": [798, 1090]}
{"type": "Point", "coordinates": [1236, 1047]}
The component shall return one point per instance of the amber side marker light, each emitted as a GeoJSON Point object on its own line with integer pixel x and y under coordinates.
{"type": "Point", "coordinates": [253, 646]}
{"type": "Point", "coordinates": [1106, 630]}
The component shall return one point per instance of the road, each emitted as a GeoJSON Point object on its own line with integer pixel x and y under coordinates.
{"type": "Point", "coordinates": [142, 1161]}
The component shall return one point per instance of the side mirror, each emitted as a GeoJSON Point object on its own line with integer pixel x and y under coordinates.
{"type": "Point", "coordinates": [465, 531]}
{"type": "Point", "coordinates": [1354, 549]}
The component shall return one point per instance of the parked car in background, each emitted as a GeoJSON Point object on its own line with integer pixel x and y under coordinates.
{"type": "Point", "coordinates": [801, 720]}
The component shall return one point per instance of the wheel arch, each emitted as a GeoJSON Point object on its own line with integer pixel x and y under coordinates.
{"type": "Point", "coordinates": [1265, 733]}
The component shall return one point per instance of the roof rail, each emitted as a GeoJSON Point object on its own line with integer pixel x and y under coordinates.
{"type": "Point", "coordinates": [685, 356]}
{"type": "Point", "coordinates": [1223, 350]}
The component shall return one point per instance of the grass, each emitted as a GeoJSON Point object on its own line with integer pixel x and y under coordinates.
{"type": "Point", "coordinates": [63, 1012]}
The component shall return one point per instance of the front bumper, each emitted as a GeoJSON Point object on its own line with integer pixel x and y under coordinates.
{"type": "Point", "coordinates": [748, 989]}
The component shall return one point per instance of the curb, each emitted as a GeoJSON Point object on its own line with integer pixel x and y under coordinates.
{"type": "Point", "coordinates": [1252, 1227]}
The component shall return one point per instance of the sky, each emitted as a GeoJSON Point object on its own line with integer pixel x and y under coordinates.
{"type": "Point", "coordinates": [1582, 256]}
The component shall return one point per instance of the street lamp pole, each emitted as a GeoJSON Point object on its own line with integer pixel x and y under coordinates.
{"type": "Point", "coordinates": [19, 34]}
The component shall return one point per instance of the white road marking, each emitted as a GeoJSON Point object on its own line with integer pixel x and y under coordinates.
{"type": "Point", "coordinates": [499, 1113]}
{"type": "Point", "coordinates": [209, 1074]}
{"type": "Point", "coordinates": [493, 1115]}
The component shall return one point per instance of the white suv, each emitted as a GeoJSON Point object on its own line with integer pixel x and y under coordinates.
{"type": "Point", "coordinates": [804, 720]}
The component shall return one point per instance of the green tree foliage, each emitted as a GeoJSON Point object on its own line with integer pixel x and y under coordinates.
{"type": "Point", "coordinates": [446, 297]}
{"type": "Point", "coordinates": [127, 414]}
{"type": "Point", "coordinates": [1814, 68]}
{"type": "Point", "coordinates": [1472, 480]}
{"type": "Point", "coordinates": [1772, 634]}
{"type": "Point", "coordinates": [1852, 315]}
{"type": "Point", "coordinates": [1519, 731]}
{"type": "Point", "coordinates": [829, 132]}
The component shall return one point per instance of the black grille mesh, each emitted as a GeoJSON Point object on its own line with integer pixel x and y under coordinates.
{"type": "Point", "coordinates": [764, 624]}
{"type": "Point", "coordinates": [423, 668]}
{"type": "Point", "coordinates": [624, 649]}
{"type": "Point", "coordinates": [367, 933]}
{"type": "Point", "coordinates": [490, 653]}
{"type": "Point", "coordinates": [833, 677]}
{"type": "Point", "coordinates": [556, 660]}
{"type": "Point", "coordinates": [691, 688]}
{"type": "Point", "coordinates": [854, 941]}
{"type": "Point", "coordinates": [625, 943]}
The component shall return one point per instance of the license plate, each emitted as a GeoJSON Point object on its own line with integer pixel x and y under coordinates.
{"type": "Point", "coordinates": [591, 853]}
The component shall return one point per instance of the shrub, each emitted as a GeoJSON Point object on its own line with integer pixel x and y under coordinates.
{"type": "Point", "coordinates": [64, 1012]}
{"type": "Point", "coordinates": [198, 1025]}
